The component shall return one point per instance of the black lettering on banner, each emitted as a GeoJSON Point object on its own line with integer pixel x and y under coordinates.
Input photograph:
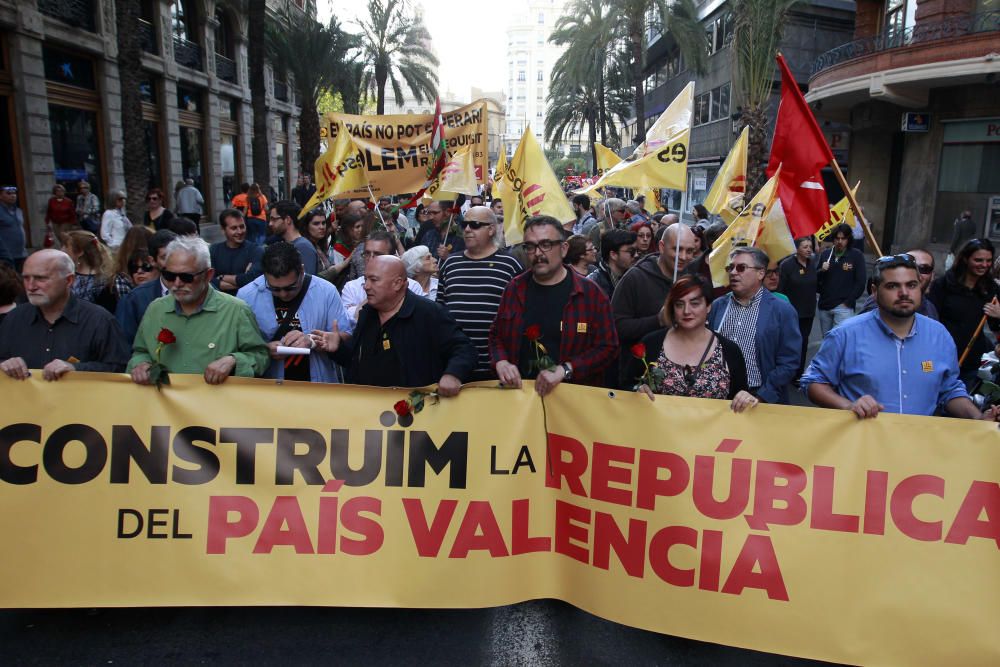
{"type": "Point", "coordinates": [454, 452]}
{"type": "Point", "coordinates": [126, 445]}
{"type": "Point", "coordinates": [55, 447]}
{"type": "Point", "coordinates": [384, 132]}
{"type": "Point", "coordinates": [246, 440]}
{"type": "Point", "coordinates": [306, 463]}
{"type": "Point", "coordinates": [394, 452]}
{"type": "Point", "coordinates": [135, 514]}
{"type": "Point", "coordinates": [673, 153]}
{"type": "Point", "coordinates": [156, 523]}
{"type": "Point", "coordinates": [340, 466]}
{"type": "Point", "coordinates": [10, 435]}
{"type": "Point", "coordinates": [206, 460]}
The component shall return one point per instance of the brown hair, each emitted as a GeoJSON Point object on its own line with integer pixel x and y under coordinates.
{"type": "Point", "coordinates": [10, 284]}
{"type": "Point", "coordinates": [136, 238]}
{"type": "Point", "coordinates": [684, 286]}
{"type": "Point", "coordinates": [93, 253]}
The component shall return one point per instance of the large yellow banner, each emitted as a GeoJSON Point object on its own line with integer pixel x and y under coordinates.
{"type": "Point", "coordinates": [396, 149]}
{"type": "Point", "coordinates": [790, 530]}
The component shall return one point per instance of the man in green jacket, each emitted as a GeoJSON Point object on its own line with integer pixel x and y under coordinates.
{"type": "Point", "coordinates": [196, 328]}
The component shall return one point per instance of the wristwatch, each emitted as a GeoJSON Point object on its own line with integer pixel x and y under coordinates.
{"type": "Point", "coordinates": [568, 370]}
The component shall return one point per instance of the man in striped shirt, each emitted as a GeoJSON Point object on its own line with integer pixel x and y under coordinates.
{"type": "Point", "coordinates": [471, 283]}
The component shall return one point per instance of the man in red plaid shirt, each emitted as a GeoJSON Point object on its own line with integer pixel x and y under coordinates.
{"type": "Point", "coordinates": [552, 325]}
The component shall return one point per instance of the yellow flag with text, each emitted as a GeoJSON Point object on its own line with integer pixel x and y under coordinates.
{"type": "Point", "coordinates": [839, 212]}
{"type": "Point", "coordinates": [725, 198]}
{"type": "Point", "coordinates": [457, 177]}
{"type": "Point", "coordinates": [530, 188]}
{"type": "Point", "coordinates": [661, 160]}
{"type": "Point", "coordinates": [606, 158]}
{"type": "Point", "coordinates": [743, 231]}
{"type": "Point", "coordinates": [340, 169]}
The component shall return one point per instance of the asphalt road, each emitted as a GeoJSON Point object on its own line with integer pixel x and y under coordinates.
{"type": "Point", "coordinates": [541, 633]}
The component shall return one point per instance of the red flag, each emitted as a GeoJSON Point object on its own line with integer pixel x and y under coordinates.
{"type": "Point", "coordinates": [801, 149]}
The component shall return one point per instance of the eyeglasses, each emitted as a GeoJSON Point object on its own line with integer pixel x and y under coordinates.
{"type": "Point", "coordinates": [741, 267]}
{"type": "Point", "coordinates": [474, 224]}
{"type": "Point", "coordinates": [187, 278]}
{"type": "Point", "coordinates": [925, 268]}
{"type": "Point", "coordinates": [894, 261]}
{"type": "Point", "coordinates": [544, 246]}
{"type": "Point", "coordinates": [771, 272]}
{"type": "Point", "coordinates": [631, 251]}
{"type": "Point", "coordinates": [135, 268]}
{"type": "Point", "coordinates": [284, 289]}
{"type": "Point", "coordinates": [153, 198]}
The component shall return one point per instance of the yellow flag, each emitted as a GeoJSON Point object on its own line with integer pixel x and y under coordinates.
{"type": "Point", "coordinates": [457, 177]}
{"type": "Point", "coordinates": [743, 231]}
{"type": "Point", "coordinates": [725, 199]}
{"type": "Point", "coordinates": [606, 158]}
{"type": "Point", "coordinates": [661, 160]}
{"type": "Point", "coordinates": [839, 212]}
{"type": "Point", "coordinates": [775, 238]}
{"type": "Point", "coordinates": [530, 188]}
{"type": "Point", "coordinates": [651, 199]}
{"type": "Point", "coordinates": [340, 169]}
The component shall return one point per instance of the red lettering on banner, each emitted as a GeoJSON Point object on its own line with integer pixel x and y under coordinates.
{"type": "Point", "coordinates": [326, 537]}
{"type": "Point", "coordinates": [428, 538]}
{"type": "Point", "coordinates": [823, 517]}
{"type": "Point", "coordinates": [876, 494]}
{"type": "Point", "coordinates": [659, 554]}
{"type": "Point", "coordinates": [901, 507]}
{"type": "Point", "coordinates": [767, 492]}
{"type": "Point", "coordinates": [982, 497]}
{"type": "Point", "coordinates": [220, 528]}
{"type": "Point", "coordinates": [353, 519]}
{"type": "Point", "coordinates": [479, 531]}
{"type": "Point", "coordinates": [521, 541]}
{"type": "Point", "coordinates": [631, 550]}
{"type": "Point", "coordinates": [603, 473]}
{"type": "Point", "coordinates": [650, 484]}
{"type": "Point", "coordinates": [284, 511]}
{"type": "Point", "coordinates": [571, 469]}
{"type": "Point", "coordinates": [711, 561]}
{"type": "Point", "coordinates": [567, 531]}
{"type": "Point", "coordinates": [757, 550]}
{"type": "Point", "coordinates": [704, 482]}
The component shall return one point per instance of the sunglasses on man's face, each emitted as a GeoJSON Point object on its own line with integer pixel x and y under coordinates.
{"type": "Point", "coordinates": [925, 268]}
{"type": "Point", "coordinates": [473, 224]}
{"type": "Point", "coordinates": [740, 268]}
{"type": "Point", "coordinates": [188, 278]}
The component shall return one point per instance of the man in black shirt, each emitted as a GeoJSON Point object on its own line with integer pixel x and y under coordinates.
{"type": "Point", "coordinates": [236, 262]}
{"type": "Point", "coordinates": [55, 331]}
{"type": "Point", "coordinates": [840, 279]}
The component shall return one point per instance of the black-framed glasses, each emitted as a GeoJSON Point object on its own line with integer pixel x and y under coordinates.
{"type": "Point", "coordinates": [188, 278]}
{"type": "Point", "coordinates": [544, 246]}
{"type": "Point", "coordinates": [771, 272]}
{"type": "Point", "coordinates": [894, 261]}
{"type": "Point", "coordinates": [474, 224]}
{"type": "Point", "coordinates": [631, 251]}
{"type": "Point", "coordinates": [283, 289]}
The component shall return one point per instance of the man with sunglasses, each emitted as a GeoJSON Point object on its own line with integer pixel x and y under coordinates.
{"type": "Point", "coordinates": [11, 228]}
{"type": "Point", "coordinates": [471, 283]}
{"type": "Point", "coordinates": [617, 256]}
{"type": "Point", "coordinates": [216, 334]}
{"type": "Point", "coordinates": [553, 308]}
{"type": "Point", "coordinates": [765, 327]}
{"type": "Point", "coordinates": [925, 268]}
{"type": "Point", "coordinates": [892, 359]}
{"type": "Point", "coordinates": [289, 306]}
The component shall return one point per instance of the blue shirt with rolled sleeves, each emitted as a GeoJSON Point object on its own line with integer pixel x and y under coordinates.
{"type": "Point", "coordinates": [912, 375]}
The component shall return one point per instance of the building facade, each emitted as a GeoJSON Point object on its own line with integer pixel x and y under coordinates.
{"type": "Point", "coordinates": [918, 85]}
{"type": "Point", "coordinates": [60, 105]}
{"type": "Point", "coordinates": [812, 28]}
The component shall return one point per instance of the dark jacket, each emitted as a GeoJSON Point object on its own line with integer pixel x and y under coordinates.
{"type": "Point", "coordinates": [133, 305]}
{"type": "Point", "coordinates": [963, 229]}
{"type": "Point", "coordinates": [799, 285]}
{"type": "Point", "coordinates": [731, 353]}
{"type": "Point", "coordinates": [602, 277]}
{"type": "Point", "coordinates": [843, 282]}
{"type": "Point", "coordinates": [960, 310]}
{"type": "Point", "coordinates": [428, 342]}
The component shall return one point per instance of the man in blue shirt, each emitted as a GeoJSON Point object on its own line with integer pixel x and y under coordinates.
{"type": "Point", "coordinates": [11, 228]}
{"type": "Point", "coordinates": [891, 359]}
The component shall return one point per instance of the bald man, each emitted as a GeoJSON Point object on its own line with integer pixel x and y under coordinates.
{"type": "Point", "coordinates": [639, 296]}
{"type": "Point", "coordinates": [401, 339]}
{"type": "Point", "coordinates": [55, 331]}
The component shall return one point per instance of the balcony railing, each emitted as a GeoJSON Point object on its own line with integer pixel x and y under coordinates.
{"type": "Point", "coordinates": [187, 53]}
{"type": "Point", "coordinates": [225, 68]}
{"type": "Point", "coordinates": [281, 91]}
{"type": "Point", "coordinates": [919, 34]}
{"type": "Point", "coordinates": [147, 36]}
{"type": "Point", "coordinates": [77, 13]}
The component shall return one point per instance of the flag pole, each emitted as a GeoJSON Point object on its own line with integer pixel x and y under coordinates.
{"type": "Point", "coordinates": [975, 337]}
{"type": "Point", "coordinates": [377, 209]}
{"type": "Point", "coordinates": [857, 209]}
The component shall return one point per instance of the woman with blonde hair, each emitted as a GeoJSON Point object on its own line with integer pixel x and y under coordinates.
{"type": "Point", "coordinates": [94, 268]}
{"type": "Point", "coordinates": [115, 223]}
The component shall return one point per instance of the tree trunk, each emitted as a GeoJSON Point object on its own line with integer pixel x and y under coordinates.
{"type": "Point", "coordinates": [757, 149]}
{"type": "Point", "coordinates": [635, 42]}
{"type": "Point", "coordinates": [135, 153]}
{"type": "Point", "coordinates": [381, 76]}
{"type": "Point", "coordinates": [257, 16]}
{"type": "Point", "coordinates": [592, 132]}
{"type": "Point", "coordinates": [602, 108]}
{"type": "Point", "coordinates": [308, 131]}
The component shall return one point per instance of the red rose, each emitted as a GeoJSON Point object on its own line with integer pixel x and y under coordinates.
{"type": "Point", "coordinates": [166, 336]}
{"type": "Point", "coordinates": [454, 210]}
{"type": "Point", "coordinates": [638, 351]}
{"type": "Point", "coordinates": [402, 408]}
{"type": "Point", "coordinates": [370, 205]}
{"type": "Point", "coordinates": [534, 332]}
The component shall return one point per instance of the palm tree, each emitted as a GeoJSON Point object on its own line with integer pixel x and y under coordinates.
{"type": "Point", "coordinates": [315, 55]}
{"type": "Point", "coordinates": [135, 154]}
{"type": "Point", "coordinates": [256, 54]}
{"type": "Point", "coordinates": [395, 47]}
{"type": "Point", "coordinates": [759, 25]}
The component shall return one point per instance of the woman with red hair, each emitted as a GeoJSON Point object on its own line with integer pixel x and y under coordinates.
{"type": "Point", "coordinates": [643, 239]}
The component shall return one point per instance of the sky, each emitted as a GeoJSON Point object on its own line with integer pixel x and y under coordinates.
{"type": "Point", "coordinates": [469, 36]}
